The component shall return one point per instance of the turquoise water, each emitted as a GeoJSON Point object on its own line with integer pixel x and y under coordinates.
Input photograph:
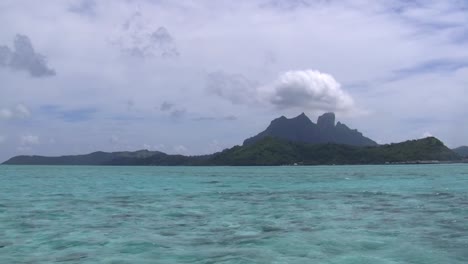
{"type": "Point", "coordinates": [334, 214]}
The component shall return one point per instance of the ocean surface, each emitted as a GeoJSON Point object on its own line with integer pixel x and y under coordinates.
{"type": "Point", "coordinates": [324, 214]}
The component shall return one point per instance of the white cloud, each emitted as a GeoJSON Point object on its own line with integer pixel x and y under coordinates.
{"type": "Point", "coordinates": [20, 111]}
{"type": "Point", "coordinates": [83, 7]}
{"type": "Point", "coordinates": [24, 149]}
{"type": "Point", "coordinates": [27, 140]}
{"type": "Point", "coordinates": [140, 38]}
{"type": "Point", "coordinates": [160, 147]}
{"type": "Point", "coordinates": [215, 146]}
{"type": "Point", "coordinates": [166, 106]}
{"type": "Point", "coordinates": [234, 87]}
{"type": "Point", "coordinates": [308, 90]}
{"type": "Point", "coordinates": [5, 113]}
{"type": "Point", "coordinates": [114, 140]}
{"type": "Point", "coordinates": [427, 134]}
{"type": "Point", "coordinates": [178, 113]}
{"type": "Point", "coordinates": [181, 149]}
{"type": "Point", "coordinates": [147, 146]}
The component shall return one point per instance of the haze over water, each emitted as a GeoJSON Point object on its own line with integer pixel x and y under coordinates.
{"type": "Point", "coordinates": [330, 214]}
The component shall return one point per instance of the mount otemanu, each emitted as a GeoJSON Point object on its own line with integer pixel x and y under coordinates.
{"type": "Point", "coordinates": [301, 129]}
{"type": "Point", "coordinates": [286, 141]}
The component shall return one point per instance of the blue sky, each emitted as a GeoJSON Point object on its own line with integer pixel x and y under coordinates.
{"type": "Point", "coordinates": [195, 77]}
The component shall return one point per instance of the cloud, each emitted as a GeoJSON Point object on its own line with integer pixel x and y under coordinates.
{"type": "Point", "coordinates": [5, 113]}
{"type": "Point", "coordinates": [24, 58]}
{"type": "Point", "coordinates": [230, 118]}
{"type": "Point", "coordinates": [211, 118]}
{"type": "Point", "coordinates": [178, 113]}
{"type": "Point", "coordinates": [174, 111]}
{"type": "Point", "coordinates": [181, 149]}
{"type": "Point", "coordinates": [234, 87]}
{"type": "Point", "coordinates": [164, 41]}
{"type": "Point", "coordinates": [302, 90]}
{"type": "Point", "coordinates": [286, 4]}
{"type": "Point", "coordinates": [114, 140]}
{"type": "Point", "coordinates": [308, 89]}
{"type": "Point", "coordinates": [445, 65]}
{"type": "Point", "coordinates": [431, 17]}
{"type": "Point", "coordinates": [205, 118]}
{"type": "Point", "coordinates": [215, 146]}
{"type": "Point", "coordinates": [28, 140]}
{"type": "Point", "coordinates": [5, 56]}
{"type": "Point", "coordinates": [2, 139]}
{"type": "Point", "coordinates": [130, 104]}
{"type": "Point", "coordinates": [427, 134]}
{"type": "Point", "coordinates": [69, 115]}
{"type": "Point", "coordinates": [166, 106]}
{"type": "Point", "coordinates": [139, 38]}
{"type": "Point", "coordinates": [78, 115]}
{"type": "Point", "coordinates": [160, 147]}
{"type": "Point", "coordinates": [270, 59]}
{"type": "Point", "coordinates": [84, 7]}
{"type": "Point", "coordinates": [20, 111]}
{"type": "Point", "coordinates": [147, 146]}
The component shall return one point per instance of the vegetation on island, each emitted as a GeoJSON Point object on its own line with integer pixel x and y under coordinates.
{"type": "Point", "coordinates": [267, 151]}
{"type": "Point", "coordinates": [272, 151]}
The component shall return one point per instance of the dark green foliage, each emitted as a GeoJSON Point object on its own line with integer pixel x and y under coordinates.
{"type": "Point", "coordinates": [95, 158]}
{"type": "Point", "coordinates": [267, 151]}
{"type": "Point", "coordinates": [271, 151]}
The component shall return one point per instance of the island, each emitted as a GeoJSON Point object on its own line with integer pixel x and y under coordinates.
{"type": "Point", "coordinates": [295, 141]}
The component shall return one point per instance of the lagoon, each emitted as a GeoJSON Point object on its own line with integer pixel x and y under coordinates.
{"type": "Point", "coordinates": [300, 214]}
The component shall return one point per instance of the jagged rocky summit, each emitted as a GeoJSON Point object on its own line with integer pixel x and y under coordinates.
{"type": "Point", "coordinates": [301, 129]}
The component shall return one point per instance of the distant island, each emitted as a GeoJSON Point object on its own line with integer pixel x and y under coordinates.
{"type": "Point", "coordinates": [295, 141]}
{"type": "Point", "coordinates": [462, 151]}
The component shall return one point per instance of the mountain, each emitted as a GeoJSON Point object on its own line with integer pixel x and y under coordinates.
{"type": "Point", "coordinates": [462, 151]}
{"type": "Point", "coordinates": [302, 129]}
{"type": "Point", "coordinates": [266, 151]}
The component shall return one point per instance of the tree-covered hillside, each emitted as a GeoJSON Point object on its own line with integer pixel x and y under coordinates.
{"type": "Point", "coordinates": [272, 151]}
{"type": "Point", "coordinates": [267, 151]}
{"type": "Point", "coordinates": [462, 151]}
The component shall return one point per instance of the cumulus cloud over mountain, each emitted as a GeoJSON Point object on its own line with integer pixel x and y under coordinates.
{"type": "Point", "coordinates": [308, 89]}
{"type": "Point", "coordinates": [303, 89]}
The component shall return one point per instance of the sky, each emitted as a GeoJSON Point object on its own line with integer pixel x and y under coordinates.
{"type": "Point", "coordinates": [195, 77]}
